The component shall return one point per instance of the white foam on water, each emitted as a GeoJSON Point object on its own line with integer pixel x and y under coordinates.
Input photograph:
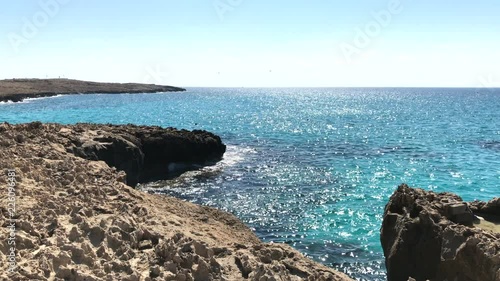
{"type": "Point", "coordinates": [233, 156]}
{"type": "Point", "coordinates": [28, 100]}
{"type": "Point", "coordinates": [456, 174]}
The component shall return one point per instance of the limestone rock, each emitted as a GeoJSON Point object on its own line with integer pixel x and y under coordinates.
{"type": "Point", "coordinates": [78, 220]}
{"type": "Point", "coordinates": [430, 236]}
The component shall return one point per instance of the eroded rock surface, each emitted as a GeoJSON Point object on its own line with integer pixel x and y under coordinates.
{"type": "Point", "coordinates": [430, 236]}
{"type": "Point", "coordinates": [76, 219]}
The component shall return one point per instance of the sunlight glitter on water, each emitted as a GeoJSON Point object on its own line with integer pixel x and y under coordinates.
{"type": "Point", "coordinates": [313, 168]}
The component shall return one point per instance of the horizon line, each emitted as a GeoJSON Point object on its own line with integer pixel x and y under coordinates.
{"type": "Point", "coordinates": [347, 87]}
{"type": "Point", "coordinates": [269, 87]}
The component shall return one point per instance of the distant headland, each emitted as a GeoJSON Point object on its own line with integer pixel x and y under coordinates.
{"type": "Point", "coordinates": [17, 90]}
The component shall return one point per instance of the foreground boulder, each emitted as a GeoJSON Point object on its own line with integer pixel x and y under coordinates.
{"type": "Point", "coordinates": [76, 219]}
{"type": "Point", "coordinates": [431, 236]}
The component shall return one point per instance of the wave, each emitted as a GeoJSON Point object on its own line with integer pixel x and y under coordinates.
{"type": "Point", "coordinates": [28, 100]}
{"type": "Point", "coordinates": [236, 154]}
{"type": "Point", "coordinates": [6, 102]}
{"type": "Point", "coordinates": [233, 156]}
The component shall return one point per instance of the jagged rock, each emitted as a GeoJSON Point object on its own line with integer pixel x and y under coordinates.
{"type": "Point", "coordinates": [489, 208]}
{"type": "Point", "coordinates": [430, 236]}
{"type": "Point", "coordinates": [79, 221]}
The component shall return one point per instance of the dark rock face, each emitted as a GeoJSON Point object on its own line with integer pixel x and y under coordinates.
{"type": "Point", "coordinates": [147, 153]}
{"type": "Point", "coordinates": [429, 236]}
{"type": "Point", "coordinates": [487, 208]}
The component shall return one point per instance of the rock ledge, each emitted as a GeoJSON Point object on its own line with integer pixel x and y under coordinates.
{"type": "Point", "coordinates": [76, 219]}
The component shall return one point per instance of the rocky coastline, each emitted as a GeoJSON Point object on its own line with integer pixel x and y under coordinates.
{"type": "Point", "coordinates": [144, 153]}
{"type": "Point", "coordinates": [439, 237]}
{"type": "Point", "coordinates": [77, 216]}
{"type": "Point", "coordinates": [17, 90]}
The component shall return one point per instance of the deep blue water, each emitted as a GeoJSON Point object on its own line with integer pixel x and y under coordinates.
{"type": "Point", "coordinates": [313, 167]}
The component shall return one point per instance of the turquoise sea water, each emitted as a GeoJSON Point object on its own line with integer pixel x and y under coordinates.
{"type": "Point", "coordinates": [313, 167]}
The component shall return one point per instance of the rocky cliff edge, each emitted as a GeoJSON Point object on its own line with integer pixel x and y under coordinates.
{"type": "Point", "coordinates": [77, 219]}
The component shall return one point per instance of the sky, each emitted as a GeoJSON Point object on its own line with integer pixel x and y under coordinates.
{"type": "Point", "coordinates": [254, 43]}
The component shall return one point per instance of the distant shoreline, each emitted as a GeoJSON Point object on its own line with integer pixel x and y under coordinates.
{"type": "Point", "coordinates": [17, 90]}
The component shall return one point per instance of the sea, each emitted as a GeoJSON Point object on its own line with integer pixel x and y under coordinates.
{"type": "Point", "coordinates": [312, 167]}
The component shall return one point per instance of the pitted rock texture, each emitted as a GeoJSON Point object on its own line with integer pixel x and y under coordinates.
{"type": "Point", "coordinates": [78, 220]}
{"type": "Point", "coordinates": [430, 236]}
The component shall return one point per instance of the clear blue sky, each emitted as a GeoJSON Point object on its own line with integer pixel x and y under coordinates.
{"type": "Point", "coordinates": [254, 42]}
